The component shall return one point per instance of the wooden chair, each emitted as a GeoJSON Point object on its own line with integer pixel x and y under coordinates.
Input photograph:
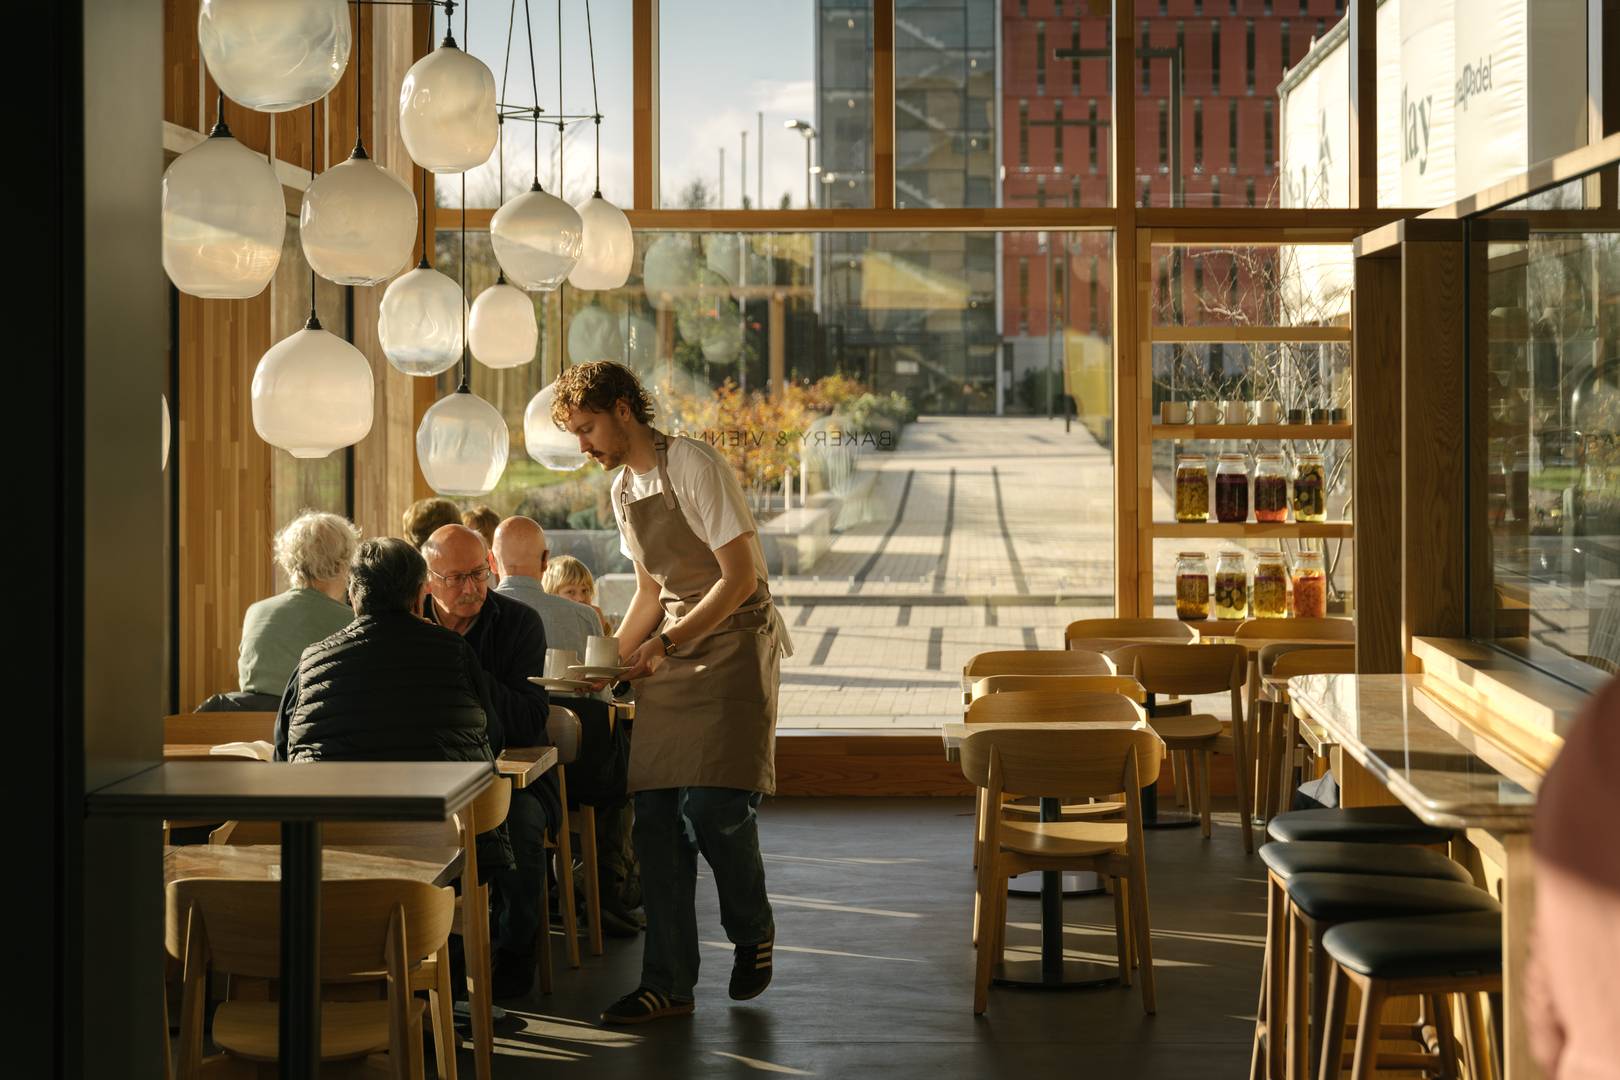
{"type": "Point", "coordinates": [1030, 662]}
{"type": "Point", "coordinates": [169, 825]}
{"type": "Point", "coordinates": [1061, 684]}
{"type": "Point", "coordinates": [367, 927]}
{"type": "Point", "coordinates": [1251, 631]}
{"type": "Point", "coordinates": [564, 731]}
{"type": "Point", "coordinates": [1072, 762]}
{"type": "Point", "coordinates": [1184, 671]}
{"type": "Point", "coordinates": [1122, 631]}
{"type": "Point", "coordinates": [213, 728]}
{"type": "Point", "coordinates": [1276, 730]}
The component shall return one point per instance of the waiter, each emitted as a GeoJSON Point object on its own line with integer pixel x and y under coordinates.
{"type": "Point", "coordinates": [701, 640]}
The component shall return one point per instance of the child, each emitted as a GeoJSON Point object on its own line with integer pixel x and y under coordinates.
{"type": "Point", "coordinates": [570, 579]}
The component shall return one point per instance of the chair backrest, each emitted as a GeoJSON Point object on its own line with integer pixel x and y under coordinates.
{"type": "Point", "coordinates": [239, 923]}
{"type": "Point", "coordinates": [1185, 669]}
{"type": "Point", "coordinates": [1169, 629]}
{"type": "Point", "coordinates": [347, 833]}
{"type": "Point", "coordinates": [1296, 630]}
{"type": "Point", "coordinates": [1268, 655]}
{"type": "Point", "coordinates": [1315, 662]}
{"type": "Point", "coordinates": [563, 731]}
{"type": "Point", "coordinates": [1033, 662]}
{"type": "Point", "coordinates": [1049, 707]}
{"type": "Point", "coordinates": [213, 728]}
{"type": "Point", "coordinates": [1063, 761]}
{"type": "Point", "coordinates": [1068, 684]}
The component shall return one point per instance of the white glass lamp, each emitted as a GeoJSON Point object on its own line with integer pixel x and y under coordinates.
{"type": "Point", "coordinates": [447, 110]}
{"type": "Point", "coordinates": [594, 334]}
{"type": "Point", "coordinates": [502, 330]}
{"type": "Point", "coordinates": [420, 322]}
{"type": "Point", "coordinates": [224, 219]}
{"type": "Point", "coordinates": [275, 55]}
{"type": "Point", "coordinates": [609, 246]}
{"type": "Point", "coordinates": [547, 443]}
{"type": "Point", "coordinates": [358, 222]}
{"type": "Point", "coordinates": [462, 445]}
{"type": "Point", "coordinates": [668, 269]}
{"type": "Point", "coordinates": [537, 239]}
{"type": "Point", "coordinates": [312, 393]}
{"type": "Point", "coordinates": [723, 253]}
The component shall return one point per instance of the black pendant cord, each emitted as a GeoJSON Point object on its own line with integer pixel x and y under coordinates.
{"type": "Point", "coordinates": [424, 264]}
{"type": "Point", "coordinates": [561, 123]}
{"type": "Point", "coordinates": [596, 102]}
{"type": "Point", "coordinates": [359, 150]}
{"type": "Point", "coordinates": [314, 322]}
{"type": "Point", "coordinates": [534, 82]}
{"type": "Point", "coordinates": [500, 113]}
{"type": "Point", "coordinates": [466, 352]}
{"type": "Point", "coordinates": [220, 130]}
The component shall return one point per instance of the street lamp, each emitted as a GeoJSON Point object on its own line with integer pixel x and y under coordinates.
{"type": "Point", "coordinates": [809, 132]}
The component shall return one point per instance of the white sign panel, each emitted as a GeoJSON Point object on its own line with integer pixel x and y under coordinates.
{"type": "Point", "coordinates": [1427, 137]}
{"type": "Point", "coordinates": [1316, 127]}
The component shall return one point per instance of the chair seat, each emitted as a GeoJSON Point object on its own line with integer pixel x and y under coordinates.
{"type": "Point", "coordinates": [1342, 857]}
{"type": "Point", "coordinates": [1337, 898]}
{"type": "Point", "coordinates": [1063, 839]}
{"type": "Point", "coordinates": [1429, 946]}
{"type": "Point", "coordinates": [1361, 825]}
{"type": "Point", "coordinates": [1179, 731]}
{"type": "Point", "coordinates": [349, 1029]}
{"type": "Point", "coordinates": [1069, 811]}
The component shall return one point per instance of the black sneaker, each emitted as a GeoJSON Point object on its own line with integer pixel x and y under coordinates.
{"type": "Point", "coordinates": [513, 975]}
{"type": "Point", "coordinates": [645, 1004]}
{"type": "Point", "coordinates": [751, 969]}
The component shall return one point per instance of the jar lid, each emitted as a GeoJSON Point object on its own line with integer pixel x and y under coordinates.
{"type": "Point", "coordinates": [1269, 456]}
{"type": "Point", "coordinates": [1190, 457]}
{"type": "Point", "coordinates": [1310, 457]}
{"type": "Point", "coordinates": [1233, 457]}
{"type": "Point", "coordinates": [1231, 554]}
{"type": "Point", "coordinates": [1191, 555]}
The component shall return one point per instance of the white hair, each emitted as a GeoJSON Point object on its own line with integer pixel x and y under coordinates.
{"type": "Point", "coordinates": [315, 547]}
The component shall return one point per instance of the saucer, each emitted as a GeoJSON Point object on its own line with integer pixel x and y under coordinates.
{"type": "Point", "coordinates": [567, 685]}
{"type": "Point", "coordinates": [584, 671]}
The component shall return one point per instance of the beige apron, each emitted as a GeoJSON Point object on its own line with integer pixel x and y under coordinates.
{"type": "Point", "coordinates": [707, 716]}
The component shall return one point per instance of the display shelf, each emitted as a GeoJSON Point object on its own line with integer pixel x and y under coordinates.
{"type": "Point", "coordinates": [1305, 530]}
{"type": "Point", "coordinates": [1233, 432]}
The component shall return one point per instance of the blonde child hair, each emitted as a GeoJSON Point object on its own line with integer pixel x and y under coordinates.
{"type": "Point", "coordinates": [565, 570]}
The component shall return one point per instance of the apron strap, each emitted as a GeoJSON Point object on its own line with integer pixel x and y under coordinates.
{"type": "Point", "coordinates": [661, 445]}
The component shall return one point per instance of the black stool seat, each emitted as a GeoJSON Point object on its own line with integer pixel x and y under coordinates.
{"type": "Point", "coordinates": [1338, 898]}
{"type": "Point", "coordinates": [1342, 857]}
{"type": "Point", "coordinates": [1428, 946]}
{"type": "Point", "coordinates": [1360, 825]}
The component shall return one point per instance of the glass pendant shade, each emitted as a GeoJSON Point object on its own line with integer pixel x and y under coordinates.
{"type": "Point", "coordinates": [594, 334]}
{"type": "Point", "coordinates": [667, 270]}
{"type": "Point", "coordinates": [722, 339]}
{"type": "Point", "coordinates": [462, 445]}
{"type": "Point", "coordinates": [275, 55]}
{"type": "Point", "coordinates": [312, 394]}
{"type": "Point", "coordinates": [545, 441]}
{"type": "Point", "coordinates": [723, 254]}
{"type": "Point", "coordinates": [502, 330]}
{"type": "Point", "coordinates": [537, 239]}
{"type": "Point", "coordinates": [609, 247]}
{"type": "Point", "coordinates": [447, 110]}
{"type": "Point", "coordinates": [358, 223]}
{"type": "Point", "coordinates": [224, 219]}
{"type": "Point", "coordinates": [165, 430]}
{"type": "Point", "coordinates": [420, 322]}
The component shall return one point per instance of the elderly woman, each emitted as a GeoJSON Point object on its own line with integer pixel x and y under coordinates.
{"type": "Point", "coordinates": [314, 551]}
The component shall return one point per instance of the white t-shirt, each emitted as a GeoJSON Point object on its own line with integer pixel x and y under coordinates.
{"type": "Point", "coordinates": [711, 500]}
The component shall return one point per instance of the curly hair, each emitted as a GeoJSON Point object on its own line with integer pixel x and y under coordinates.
{"type": "Point", "coordinates": [315, 547]}
{"type": "Point", "coordinates": [424, 517]}
{"type": "Point", "coordinates": [597, 387]}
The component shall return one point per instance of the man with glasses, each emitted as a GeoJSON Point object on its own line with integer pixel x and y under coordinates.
{"type": "Point", "coordinates": [509, 640]}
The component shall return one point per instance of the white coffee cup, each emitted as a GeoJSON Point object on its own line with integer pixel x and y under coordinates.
{"type": "Point", "coordinates": [602, 652]}
{"type": "Point", "coordinates": [558, 661]}
{"type": "Point", "coordinates": [1173, 412]}
{"type": "Point", "coordinates": [1237, 412]}
{"type": "Point", "coordinates": [1267, 412]}
{"type": "Point", "coordinates": [1206, 412]}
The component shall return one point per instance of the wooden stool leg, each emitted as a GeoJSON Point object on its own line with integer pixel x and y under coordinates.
{"type": "Point", "coordinates": [565, 875]}
{"type": "Point", "coordinates": [1445, 1035]}
{"type": "Point", "coordinates": [1277, 989]}
{"type": "Point", "coordinates": [443, 1015]}
{"type": "Point", "coordinates": [542, 946]}
{"type": "Point", "coordinates": [1372, 1011]}
{"type": "Point", "coordinates": [593, 887]}
{"type": "Point", "coordinates": [1203, 789]}
{"type": "Point", "coordinates": [1122, 933]}
{"type": "Point", "coordinates": [1338, 1006]}
{"type": "Point", "coordinates": [1321, 966]}
{"type": "Point", "coordinates": [478, 997]}
{"type": "Point", "coordinates": [1476, 1044]}
{"type": "Point", "coordinates": [1298, 1067]}
{"type": "Point", "coordinates": [1262, 1027]}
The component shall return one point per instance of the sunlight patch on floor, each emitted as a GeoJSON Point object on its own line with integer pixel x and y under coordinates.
{"type": "Point", "coordinates": [824, 952]}
{"type": "Point", "coordinates": [762, 1066]}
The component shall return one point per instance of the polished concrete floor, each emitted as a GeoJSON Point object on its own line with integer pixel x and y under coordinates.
{"type": "Point", "coordinates": [874, 968]}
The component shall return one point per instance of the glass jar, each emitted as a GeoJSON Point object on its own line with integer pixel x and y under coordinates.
{"type": "Point", "coordinates": [1310, 586]}
{"type": "Point", "coordinates": [1192, 586]}
{"type": "Point", "coordinates": [1232, 489]}
{"type": "Point", "coordinates": [1269, 596]}
{"type": "Point", "coordinates": [1270, 488]}
{"type": "Point", "coordinates": [1310, 489]}
{"type": "Point", "coordinates": [1231, 586]}
{"type": "Point", "coordinates": [1192, 488]}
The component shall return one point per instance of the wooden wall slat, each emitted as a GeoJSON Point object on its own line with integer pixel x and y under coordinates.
{"type": "Point", "coordinates": [1375, 398]}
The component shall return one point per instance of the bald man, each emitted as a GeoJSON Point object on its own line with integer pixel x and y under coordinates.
{"type": "Point", "coordinates": [521, 556]}
{"type": "Point", "coordinates": [509, 640]}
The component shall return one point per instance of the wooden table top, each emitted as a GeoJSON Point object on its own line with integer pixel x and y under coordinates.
{"type": "Point", "coordinates": [523, 765]}
{"type": "Point", "coordinates": [262, 862]}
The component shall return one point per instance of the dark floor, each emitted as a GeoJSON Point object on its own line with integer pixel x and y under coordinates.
{"type": "Point", "coordinates": [874, 970]}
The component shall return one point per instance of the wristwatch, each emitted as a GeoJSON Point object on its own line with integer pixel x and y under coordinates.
{"type": "Point", "coordinates": [669, 646]}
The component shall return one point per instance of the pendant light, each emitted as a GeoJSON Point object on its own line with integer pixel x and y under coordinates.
{"type": "Point", "coordinates": [224, 218]}
{"type": "Point", "coordinates": [275, 55]}
{"type": "Point", "coordinates": [165, 400]}
{"type": "Point", "coordinates": [447, 108]}
{"type": "Point", "coordinates": [358, 219]}
{"type": "Point", "coordinates": [546, 443]}
{"type": "Point", "coordinates": [502, 331]}
{"type": "Point", "coordinates": [423, 315]}
{"type": "Point", "coordinates": [594, 334]}
{"type": "Point", "coordinates": [463, 442]}
{"type": "Point", "coordinates": [608, 247]}
{"type": "Point", "coordinates": [668, 270]}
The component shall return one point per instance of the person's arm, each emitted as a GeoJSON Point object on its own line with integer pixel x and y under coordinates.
{"type": "Point", "coordinates": [735, 585]}
{"type": "Point", "coordinates": [521, 707]}
{"type": "Point", "coordinates": [643, 615]}
{"type": "Point", "coordinates": [480, 688]}
{"type": "Point", "coordinates": [289, 702]}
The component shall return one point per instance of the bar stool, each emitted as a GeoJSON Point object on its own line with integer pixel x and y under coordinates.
{"type": "Point", "coordinates": [1434, 956]}
{"type": "Point", "coordinates": [1360, 824]}
{"type": "Point", "coordinates": [1319, 901]}
{"type": "Point", "coordinates": [1283, 861]}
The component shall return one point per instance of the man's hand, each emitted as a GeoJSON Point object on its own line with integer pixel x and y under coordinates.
{"type": "Point", "coordinates": [647, 658]}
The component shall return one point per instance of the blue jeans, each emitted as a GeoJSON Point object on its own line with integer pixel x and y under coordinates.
{"type": "Point", "coordinates": [672, 825]}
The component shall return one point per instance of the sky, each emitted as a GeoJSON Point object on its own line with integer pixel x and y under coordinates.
{"type": "Point", "coordinates": [722, 62]}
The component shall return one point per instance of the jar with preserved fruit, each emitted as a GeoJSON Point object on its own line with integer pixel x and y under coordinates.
{"type": "Point", "coordinates": [1310, 586]}
{"type": "Point", "coordinates": [1310, 489]}
{"type": "Point", "coordinates": [1268, 597]}
{"type": "Point", "coordinates": [1270, 488]}
{"type": "Point", "coordinates": [1192, 586]}
{"type": "Point", "coordinates": [1232, 489]}
{"type": "Point", "coordinates": [1231, 586]}
{"type": "Point", "coordinates": [1192, 488]}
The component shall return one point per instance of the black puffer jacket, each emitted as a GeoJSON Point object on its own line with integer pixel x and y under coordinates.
{"type": "Point", "coordinates": [390, 688]}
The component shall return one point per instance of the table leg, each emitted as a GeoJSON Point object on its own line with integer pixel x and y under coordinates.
{"type": "Point", "coordinates": [300, 1012]}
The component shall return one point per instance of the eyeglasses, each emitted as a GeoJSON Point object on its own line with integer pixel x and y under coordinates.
{"type": "Point", "coordinates": [461, 581]}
